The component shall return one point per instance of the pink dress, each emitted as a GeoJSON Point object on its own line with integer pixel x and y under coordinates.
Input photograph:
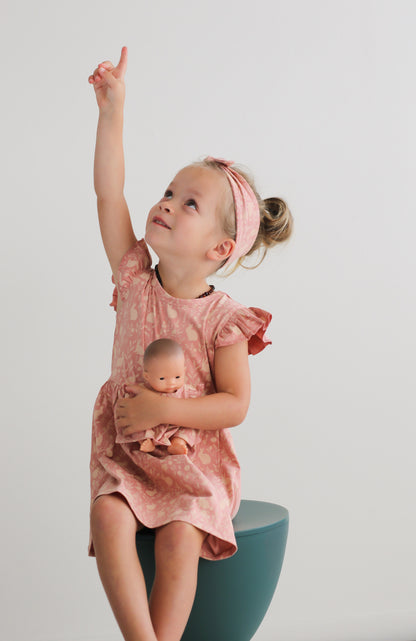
{"type": "Point", "coordinates": [202, 488]}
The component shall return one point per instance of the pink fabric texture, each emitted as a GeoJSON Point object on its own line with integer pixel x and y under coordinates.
{"type": "Point", "coordinates": [203, 487]}
{"type": "Point", "coordinates": [247, 212]}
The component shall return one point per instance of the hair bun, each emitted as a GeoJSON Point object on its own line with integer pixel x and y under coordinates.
{"type": "Point", "coordinates": [277, 221]}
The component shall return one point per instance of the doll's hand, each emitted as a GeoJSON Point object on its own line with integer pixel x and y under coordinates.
{"type": "Point", "coordinates": [141, 412]}
{"type": "Point", "coordinates": [108, 82]}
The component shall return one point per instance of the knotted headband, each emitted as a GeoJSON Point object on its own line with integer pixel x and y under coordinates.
{"type": "Point", "coordinates": [247, 212]}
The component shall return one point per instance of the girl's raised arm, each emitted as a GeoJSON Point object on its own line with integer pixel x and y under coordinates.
{"type": "Point", "coordinates": [114, 216]}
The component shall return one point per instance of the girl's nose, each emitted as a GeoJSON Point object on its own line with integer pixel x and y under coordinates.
{"type": "Point", "coordinates": [167, 207]}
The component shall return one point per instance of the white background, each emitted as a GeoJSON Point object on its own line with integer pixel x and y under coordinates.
{"type": "Point", "coordinates": [318, 100]}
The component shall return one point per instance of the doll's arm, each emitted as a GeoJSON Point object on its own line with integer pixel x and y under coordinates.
{"type": "Point", "coordinates": [114, 217]}
{"type": "Point", "coordinates": [226, 408]}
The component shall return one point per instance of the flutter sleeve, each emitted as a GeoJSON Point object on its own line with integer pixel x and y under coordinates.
{"type": "Point", "coordinates": [245, 323]}
{"type": "Point", "coordinates": [136, 260]}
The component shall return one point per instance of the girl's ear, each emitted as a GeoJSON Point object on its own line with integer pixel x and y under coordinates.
{"type": "Point", "coordinates": [221, 251]}
{"type": "Point", "coordinates": [146, 376]}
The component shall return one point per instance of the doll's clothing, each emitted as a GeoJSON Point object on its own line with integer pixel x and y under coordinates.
{"type": "Point", "coordinates": [161, 435]}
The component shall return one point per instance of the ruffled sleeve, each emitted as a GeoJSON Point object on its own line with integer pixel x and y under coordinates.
{"type": "Point", "coordinates": [245, 323]}
{"type": "Point", "coordinates": [135, 260]}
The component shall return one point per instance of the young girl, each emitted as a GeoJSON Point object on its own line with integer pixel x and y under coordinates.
{"type": "Point", "coordinates": [208, 216]}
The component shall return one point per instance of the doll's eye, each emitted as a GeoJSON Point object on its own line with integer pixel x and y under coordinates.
{"type": "Point", "coordinates": [177, 377]}
{"type": "Point", "coordinates": [162, 378]}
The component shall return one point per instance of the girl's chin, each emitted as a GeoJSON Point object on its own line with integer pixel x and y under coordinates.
{"type": "Point", "coordinates": [149, 241]}
{"type": "Point", "coordinates": [154, 247]}
{"type": "Point", "coordinates": [156, 241]}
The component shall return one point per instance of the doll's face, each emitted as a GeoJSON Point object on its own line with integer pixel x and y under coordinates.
{"type": "Point", "coordinates": [165, 373]}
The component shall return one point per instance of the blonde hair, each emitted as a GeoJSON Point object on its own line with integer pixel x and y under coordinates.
{"type": "Point", "coordinates": [276, 220]}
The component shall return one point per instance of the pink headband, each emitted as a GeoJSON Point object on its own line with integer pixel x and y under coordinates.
{"type": "Point", "coordinates": [247, 212]}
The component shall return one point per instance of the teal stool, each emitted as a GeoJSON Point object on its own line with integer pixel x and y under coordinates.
{"type": "Point", "coordinates": [233, 595]}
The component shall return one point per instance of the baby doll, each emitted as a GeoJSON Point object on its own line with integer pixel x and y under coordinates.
{"type": "Point", "coordinates": [164, 371]}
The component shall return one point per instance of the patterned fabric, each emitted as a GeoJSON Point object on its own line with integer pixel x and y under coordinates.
{"type": "Point", "coordinates": [247, 212]}
{"type": "Point", "coordinates": [202, 487]}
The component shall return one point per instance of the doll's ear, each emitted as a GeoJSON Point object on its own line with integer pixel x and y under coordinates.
{"type": "Point", "coordinates": [223, 250]}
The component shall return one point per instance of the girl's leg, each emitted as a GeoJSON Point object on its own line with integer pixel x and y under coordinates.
{"type": "Point", "coordinates": [113, 527]}
{"type": "Point", "coordinates": [177, 549]}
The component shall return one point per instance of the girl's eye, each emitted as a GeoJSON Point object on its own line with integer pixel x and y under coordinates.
{"type": "Point", "coordinates": [168, 193]}
{"type": "Point", "coordinates": [191, 203]}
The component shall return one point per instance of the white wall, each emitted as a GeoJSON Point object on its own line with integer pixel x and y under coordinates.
{"type": "Point", "coordinates": [318, 99]}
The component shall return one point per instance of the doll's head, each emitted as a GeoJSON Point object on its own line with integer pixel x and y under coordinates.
{"type": "Point", "coordinates": [164, 365]}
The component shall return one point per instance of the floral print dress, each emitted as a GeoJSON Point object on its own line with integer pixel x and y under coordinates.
{"type": "Point", "coordinates": [202, 487]}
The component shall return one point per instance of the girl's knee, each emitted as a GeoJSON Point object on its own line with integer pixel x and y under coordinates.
{"type": "Point", "coordinates": [108, 511]}
{"type": "Point", "coordinates": [179, 539]}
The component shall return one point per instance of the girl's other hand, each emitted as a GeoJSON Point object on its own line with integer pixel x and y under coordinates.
{"type": "Point", "coordinates": [138, 413]}
{"type": "Point", "coordinates": [108, 82]}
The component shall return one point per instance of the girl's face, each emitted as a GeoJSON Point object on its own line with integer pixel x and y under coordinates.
{"type": "Point", "coordinates": [186, 222]}
{"type": "Point", "coordinates": [165, 373]}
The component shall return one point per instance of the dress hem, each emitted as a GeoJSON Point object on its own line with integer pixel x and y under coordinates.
{"type": "Point", "coordinates": [206, 552]}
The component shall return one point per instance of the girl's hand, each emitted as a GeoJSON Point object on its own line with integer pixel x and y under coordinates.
{"type": "Point", "coordinates": [108, 82]}
{"type": "Point", "coordinates": [138, 413]}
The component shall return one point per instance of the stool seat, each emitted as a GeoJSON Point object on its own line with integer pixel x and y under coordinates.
{"type": "Point", "coordinates": [257, 516]}
{"type": "Point", "coordinates": [233, 594]}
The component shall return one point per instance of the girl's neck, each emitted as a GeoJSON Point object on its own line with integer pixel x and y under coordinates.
{"type": "Point", "coordinates": [182, 285]}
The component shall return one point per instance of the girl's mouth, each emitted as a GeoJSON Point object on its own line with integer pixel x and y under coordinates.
{"type": "Point", "coordinates": [159, 221]}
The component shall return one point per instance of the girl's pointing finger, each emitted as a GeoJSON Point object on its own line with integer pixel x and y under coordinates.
{"type": "Point", "coordinates": [122, 65]}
